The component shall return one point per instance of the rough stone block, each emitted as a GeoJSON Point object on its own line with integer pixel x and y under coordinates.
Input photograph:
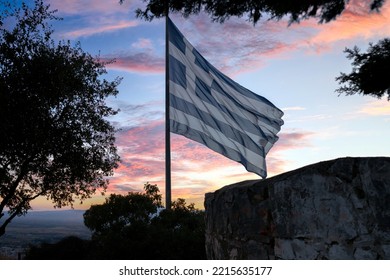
{"type": "Point", "coordinates": [336, 209]}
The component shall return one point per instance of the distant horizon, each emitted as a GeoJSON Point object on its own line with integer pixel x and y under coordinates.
{"type": "Point", "coordinates": [55, 215]}
{"type": "Point", "coordinates": [48, 210]}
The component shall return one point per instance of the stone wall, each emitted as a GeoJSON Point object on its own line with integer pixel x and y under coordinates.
{"type": "Point", "coordinates": [337, 209]}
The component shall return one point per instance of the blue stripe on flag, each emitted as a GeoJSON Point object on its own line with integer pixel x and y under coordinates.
{"type": "Point", "coordinates": [177, 72]}
{"type": "Point", "coordinates": [175, 37]}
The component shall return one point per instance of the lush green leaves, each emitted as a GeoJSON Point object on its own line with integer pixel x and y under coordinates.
{"type": "Point", "coordinates": [55, 139]}
{"type": "Point", "coordinates": [370, 72]}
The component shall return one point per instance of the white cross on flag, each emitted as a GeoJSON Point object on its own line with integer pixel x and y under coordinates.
{"type": "Point", "coordinates": [210, 108]}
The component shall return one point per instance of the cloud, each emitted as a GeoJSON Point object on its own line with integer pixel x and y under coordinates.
{"type": "Point", "coordinates": [101, 28]}
{"type": "Point", "coordinates": [143, 43]}
{"type": "Point", "coordinates": [237, 46]}
{"type": "Point", "coordinates": [376, 108]}
{"type": "Point", "coordinates": [141, 58]}
{"type": "Point", "coordinates": [292, 141]}
{"type": "Point", "coordinates": [139, 114]}
{"type": "Point", "coordinates": [195, 168]}
{"type": "Point", "coordinates": [355, 22]}
{"type": "Point", "coordinates": [144, 58]}
{"type": "Point", "coordinates": [86, 18]}
{"type": "Point", "coordinates": [371, 108]}
{"type": "Point", "coordinates": [140, 62]}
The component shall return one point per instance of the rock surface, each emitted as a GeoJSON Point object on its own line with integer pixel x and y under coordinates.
{"type": "Point", "coordinates": [338, 209]}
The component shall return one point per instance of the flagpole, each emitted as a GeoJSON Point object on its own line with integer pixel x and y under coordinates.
{"type": "Point", "coordinates": [168, 199]}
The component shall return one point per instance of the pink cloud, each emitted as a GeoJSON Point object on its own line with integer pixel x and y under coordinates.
{"type": "Point", "coordinates": [142, 43]}
{"type": "Point", "coordinates": [86, 18]}
{"type": "Point", "coordinates": [379, 107]}
{"type": "Point", "coordinates": [203, 169]}
{"type": "Point", "coordinates": [242, 47]}
{"type": "Point", "coordinates": [288, 141]}
{"type": "Point", "coordinates": [88, 31]}
{"type": "Point", "coordinates": [142, 62]}
{"type": "Point", "coordinates": [239, 46]}
{"type": "Point", "coordinates": [195, 168]}
{"type": "Point", "coordinates": [292, 140]}
{"type": "Point", "coordinates": [355, 22]}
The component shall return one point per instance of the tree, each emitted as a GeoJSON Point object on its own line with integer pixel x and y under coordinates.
{"type": "Point", "coordinates": [370, 72]}
{"type": "Point", "coordinates": [120, 211]}
{"type": "Point", "coordinates": [220, 10]}
{"type": "Point", "coordinates": [179, 232]}
{"type": "Point", "coordinates": [135, 226]}
{"type": "Point", "coordinates": [120, 226]}
{"type": "Point", "coordinates": [55, 139]}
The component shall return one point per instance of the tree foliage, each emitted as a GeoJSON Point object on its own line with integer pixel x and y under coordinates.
{"type": "Point", "coordinates": [55, 139]}
{"type": "Point", "coordinates": [120, 211]}
{"type": "Point", "coordinates": [135, 226]}
{"type": "Point", "coordinates": [370, 72]}
{"type": "Point", "coordinates": [180, 232]}
{"type": "Point", "coordinates": [220, 10]}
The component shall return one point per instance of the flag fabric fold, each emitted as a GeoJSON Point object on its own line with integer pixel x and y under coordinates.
{"type": "Point", "coordinates": [210, 108]}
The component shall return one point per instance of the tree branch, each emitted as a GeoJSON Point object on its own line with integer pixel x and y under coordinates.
{"type": "Point", "coordinates": [6, 222]}
{"type": "Point", "coordinates": [17, 212]}
{"type": "Point", "coordinates": [14, 185]}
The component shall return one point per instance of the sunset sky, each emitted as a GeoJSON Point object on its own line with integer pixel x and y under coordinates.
{"type": "Point", "coordinates": [292, 66]}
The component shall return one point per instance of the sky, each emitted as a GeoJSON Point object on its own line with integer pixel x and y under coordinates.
{"type": "Point", "coordinates": [293, 66]}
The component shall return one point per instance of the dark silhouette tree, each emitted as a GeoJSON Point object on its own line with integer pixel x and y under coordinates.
{"type": "Point", "coordinates": [55, 139]}
{"type": "Point", "coordinates": [120, 226]}
{"type": "Point", "coordinates": [220, 10]}
{"type": "Point", "coordinates": [135, 226]}
{"type": "Point", "coordinates": [179, 232]}
{"type": "Point", "coordinates": [370, 72]}
{"type": "Point", "coordinates": [120, 211]}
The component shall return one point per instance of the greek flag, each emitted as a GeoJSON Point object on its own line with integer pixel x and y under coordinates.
{"type": "Point", "coordinates": [210, 108]}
